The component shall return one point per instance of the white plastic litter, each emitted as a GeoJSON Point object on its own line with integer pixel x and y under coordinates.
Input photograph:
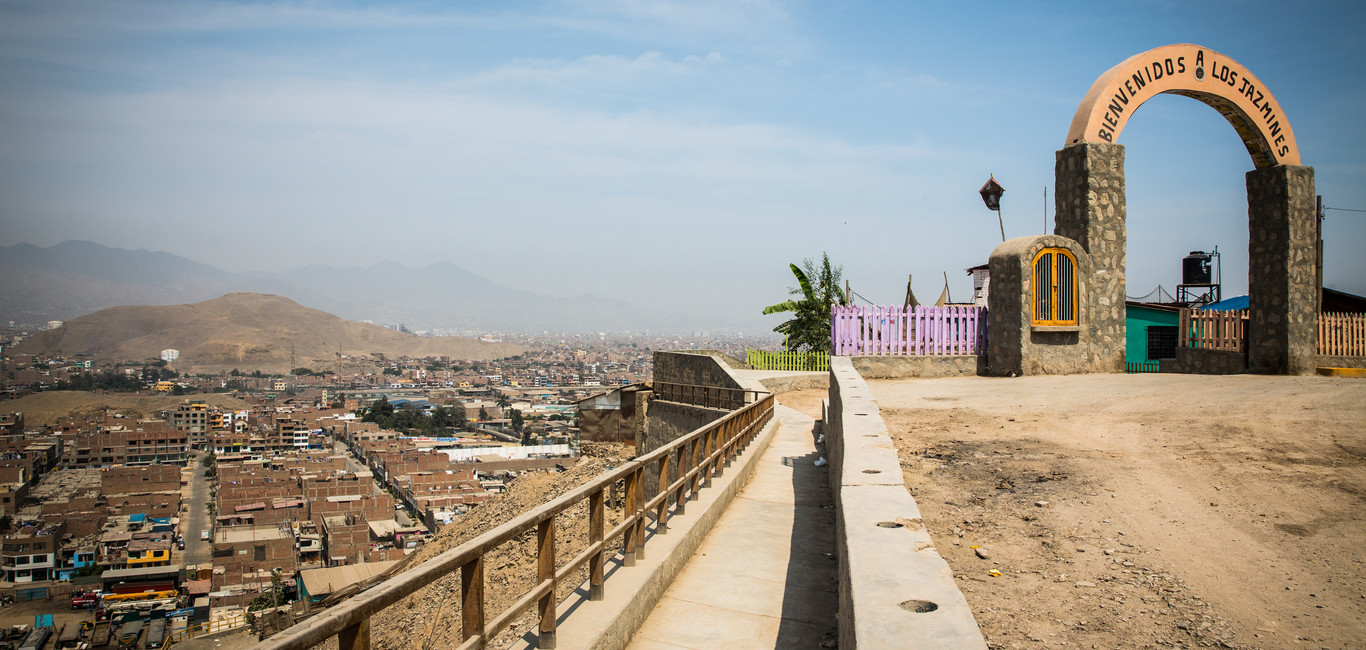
{"type": "Point", "coordinates": [821, 462]}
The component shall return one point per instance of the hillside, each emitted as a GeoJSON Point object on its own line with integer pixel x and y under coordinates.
{"type": "Point", "coordinates": [247, 331]}
{"type": "Point", "coordinates": [49, 407]}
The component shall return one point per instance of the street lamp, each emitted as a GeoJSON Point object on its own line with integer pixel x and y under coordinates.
{"type": "Point", "coordinates": [991, 195]}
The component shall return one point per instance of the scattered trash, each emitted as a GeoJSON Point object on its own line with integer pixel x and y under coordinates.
{"type": "Point", "coordinates": [821, 462]}
{"type": "Point", "coordinates": [994, 573]}
{"type": "Point", "coordinates": [820, 440]}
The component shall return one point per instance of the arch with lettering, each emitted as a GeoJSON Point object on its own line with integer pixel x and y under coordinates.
{"type": "Point", "coordinates": [1196, 72]}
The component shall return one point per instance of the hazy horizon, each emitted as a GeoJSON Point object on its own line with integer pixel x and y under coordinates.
{"type": "Point", "coordinates": [674, 155]}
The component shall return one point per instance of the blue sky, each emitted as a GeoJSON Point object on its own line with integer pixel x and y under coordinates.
{"type": "Point", "coordinates": [676, 154]}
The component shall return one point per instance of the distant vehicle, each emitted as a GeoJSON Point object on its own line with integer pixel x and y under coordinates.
{"type": "Point", "coordinates": [204, 534]}
{"type": "Point", "coordinates": [36, 639]}
{"type": "Point", "coordinates": [180, 543]}
{"type": "Point", "coordinates": [85, 599]}
{"type": "Point", "coordinates": [100, 636]}
{"type": "Point", "coordinates": [156, 632]}
{"type": "Point", "coordinates": [129, 633]}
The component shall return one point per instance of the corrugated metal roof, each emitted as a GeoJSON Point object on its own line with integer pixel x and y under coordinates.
{"type": "Point", "coordinates": [320, 582]}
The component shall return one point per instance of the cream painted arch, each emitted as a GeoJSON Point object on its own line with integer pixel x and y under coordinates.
{"type": "Point", "coordinates": [1196, 72]}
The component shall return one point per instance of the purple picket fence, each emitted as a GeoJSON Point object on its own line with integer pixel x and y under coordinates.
{"type": "Point", "coordinates": [895, 331]}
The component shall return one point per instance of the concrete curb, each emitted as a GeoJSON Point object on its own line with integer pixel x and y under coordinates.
{"type": "Point", "coordinates": [631, 594]}
{"type": "Point", "coordinates": [895, 590]}
{"type": "Point", "coordinates": [1343, 372]}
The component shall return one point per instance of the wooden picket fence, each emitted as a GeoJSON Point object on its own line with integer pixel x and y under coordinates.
{"type": "Point", "coordinates": [1342, 335]}
{"type": "Point", "coordinates": [789, 360]}
{"type": "Point", "coordinates": [1214, 330]}
{"type": "Point", "coordinates": [898, 331]}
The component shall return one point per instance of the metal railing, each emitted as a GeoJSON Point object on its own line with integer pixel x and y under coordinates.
{"type": "Point", "coordinates": [208, 627]}
{"type": "Point", "coordinates": [694, 459]}
{"type": "Point", "coordinates": [709, 396]}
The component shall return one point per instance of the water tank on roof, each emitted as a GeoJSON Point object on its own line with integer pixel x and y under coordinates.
{"type": "Point", "coordinates": [1195, 268]}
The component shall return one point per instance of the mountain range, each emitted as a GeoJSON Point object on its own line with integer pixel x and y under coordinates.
{"type": "Point", "coordinates": [75, 278]}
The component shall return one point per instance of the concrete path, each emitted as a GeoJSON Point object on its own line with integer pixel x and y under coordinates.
{"type": "Point", "coordinates": [766, 575]}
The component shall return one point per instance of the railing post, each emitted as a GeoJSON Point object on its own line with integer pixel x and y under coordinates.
{"type": "Point", "coordinates": [596, 523]}
{"type": "Point", "coordinates": [662, 516]}
{"type": "Point", "coordinates": [727, 442]}
{"type": "Point", "coordinates": [628, 542]}
{"type": "Point", "coordinates": [545, 570]}
{"type": "Point", "coordinates": [472, 597]}
{"type": "Point", "coordinates": [681, 498]}
{"type": "Point", "coordinates": [355, 637]}
{"type": "Point", "coordinates": [696, 467]}
{"type": "Point", "coordinates": [639, 526]}
{"type": "Point", "coordinates": [706, 462]}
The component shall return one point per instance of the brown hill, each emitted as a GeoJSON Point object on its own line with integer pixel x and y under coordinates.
{"type": "Point", "coordinates": [50, 406]}
{"type": "Point", "coordinates": [248, 331]}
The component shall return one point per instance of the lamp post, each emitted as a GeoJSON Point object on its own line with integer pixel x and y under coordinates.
{"type": "Point", "coordinates": [991, 195]}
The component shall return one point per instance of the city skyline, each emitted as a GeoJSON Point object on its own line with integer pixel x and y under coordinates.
{"type": "Point", "coordinates": [675, 155]}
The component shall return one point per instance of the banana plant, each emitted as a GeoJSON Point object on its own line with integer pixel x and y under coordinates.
{"type": "Point", "coordinates": [809, 328]}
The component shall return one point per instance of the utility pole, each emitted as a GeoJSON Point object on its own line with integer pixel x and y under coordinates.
{"type": "Point", "coordinates": [1318, 253]}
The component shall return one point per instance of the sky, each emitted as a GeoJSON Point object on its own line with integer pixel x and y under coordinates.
{"type": "Point", "coordinates": [677, 155]}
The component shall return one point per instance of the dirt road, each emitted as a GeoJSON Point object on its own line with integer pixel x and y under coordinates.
{"type": "Point", "coordinates": [1143, 510]}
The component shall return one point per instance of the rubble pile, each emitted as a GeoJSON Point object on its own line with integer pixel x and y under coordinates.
{"type": "Point", "coordinates": [430, 618]}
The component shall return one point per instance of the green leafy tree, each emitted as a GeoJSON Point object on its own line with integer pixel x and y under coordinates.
{"type": "Point", "coordinates": [819, 290]}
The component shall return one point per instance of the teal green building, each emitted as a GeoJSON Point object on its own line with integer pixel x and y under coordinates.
{"type": "Point", "coordinates": [1151, 332]}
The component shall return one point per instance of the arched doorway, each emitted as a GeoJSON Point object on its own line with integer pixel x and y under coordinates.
{"type": "Point", "coordinates": [1090, 198]}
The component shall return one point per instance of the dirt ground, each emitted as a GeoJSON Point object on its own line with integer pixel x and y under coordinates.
{"type": "Point", "coordinates": [49, 407]}
{"type": "Point", "coordinates": [1133, 511]}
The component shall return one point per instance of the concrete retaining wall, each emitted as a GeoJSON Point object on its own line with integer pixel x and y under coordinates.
{"type": "Point", "coordinates": [805, 381]}
{"type": "Point", "coordinates": [1196, 361]}
{"type": "Point", "coordinates": [1326, 361]}
{"type": "Point", "coordinates": [895, 590]}
{"type": "Point", "coordinates": [904, 367]}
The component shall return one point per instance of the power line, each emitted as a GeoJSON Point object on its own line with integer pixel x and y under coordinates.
{"type": "Point", "coordinates": [1343, 209]}
{"type": "Point", "coordinates": [861, 297]}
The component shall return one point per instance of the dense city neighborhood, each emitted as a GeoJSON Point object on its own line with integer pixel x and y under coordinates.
{"type": "Point", "coordinates": [247, 491]}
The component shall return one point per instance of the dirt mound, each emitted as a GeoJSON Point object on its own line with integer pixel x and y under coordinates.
{"type": "Point", "coordinates": [249, 331]}
{"type": "Point", "coordinates": [431, 617]}
{"type": "Point", "coordinates": [46, 408]}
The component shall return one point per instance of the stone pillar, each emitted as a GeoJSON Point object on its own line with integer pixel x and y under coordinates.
{"type": "Point", "coordinates": [1281, 283]}
{"type": "Point", "coordinates": [1089, 195]}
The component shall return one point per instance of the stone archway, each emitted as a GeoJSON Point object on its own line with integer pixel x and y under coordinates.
{"type": "Point", "coordinates": [1090, 198]}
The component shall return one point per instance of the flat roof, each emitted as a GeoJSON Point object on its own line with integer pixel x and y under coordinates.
{"type": "Point", "coordinates": [235, 534]}
{"type": "Point", "coordinates": [140, 572]}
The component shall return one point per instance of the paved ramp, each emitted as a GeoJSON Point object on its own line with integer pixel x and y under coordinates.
{"type": "Point", "coordinates": [765, 577]}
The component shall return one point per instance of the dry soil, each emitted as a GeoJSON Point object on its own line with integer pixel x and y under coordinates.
{"type": "Point", "coordinates": [1113, 511]}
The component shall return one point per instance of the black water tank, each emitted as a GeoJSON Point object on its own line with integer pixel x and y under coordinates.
{"type": "Point", "coordinates": [1195, 268]}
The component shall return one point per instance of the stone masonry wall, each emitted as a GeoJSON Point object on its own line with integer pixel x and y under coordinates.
{"type": "Point", "coordinates": [1196, 361]}
{"type": "Point", "coordinates": [1015, 345]}
{"type": "Point", "coordinates": [692, 369]}
{"type": "Point", "coordinates": [902, 367]}
{"type": "Point", "coordinates": [1091, 209]}
{"type": "Point", "coordinates": [1281, 282]}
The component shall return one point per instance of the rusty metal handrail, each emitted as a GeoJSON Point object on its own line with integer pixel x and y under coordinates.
{"type": "Point", "coordinates": [709, 396]}
{"type": "Point", "coordinates": [695, 458]}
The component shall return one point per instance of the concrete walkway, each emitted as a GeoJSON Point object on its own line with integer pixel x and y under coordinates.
{"type": "Point", "coordinates": [765, 577]}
